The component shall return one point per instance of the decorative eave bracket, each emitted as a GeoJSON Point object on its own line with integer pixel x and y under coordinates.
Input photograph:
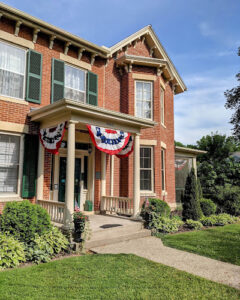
{"type": "Point", "coordinates": [17, 27]}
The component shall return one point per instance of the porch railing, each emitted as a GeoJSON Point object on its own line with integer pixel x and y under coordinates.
{"type": "Point", "coordinates": [55, 210]}
{"type": "Point", "coordinates": [118, 205]}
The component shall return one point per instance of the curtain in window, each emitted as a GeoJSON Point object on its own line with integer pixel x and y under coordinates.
{"type": "Point", "coordinates": [75, 84]}
{"type": "Point", "coordinates": [9, 163]}
{"type": "Point", "coordinates": [12, 71]}
{"type": "Point", "coordinates": [144, 99]}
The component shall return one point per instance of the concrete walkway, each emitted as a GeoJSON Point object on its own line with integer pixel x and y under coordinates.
{"type": "Point", "coordinates": [152, 248]}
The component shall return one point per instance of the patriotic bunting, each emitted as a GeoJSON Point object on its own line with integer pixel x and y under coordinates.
{"type": "Point", "coordinates": [51, 138]}
{"type": "Point", "coordinates": [127, 150]}
{"type": "Point", "coordinates": [108, 140]}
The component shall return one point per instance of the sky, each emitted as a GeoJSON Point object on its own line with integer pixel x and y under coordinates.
{"type": "Point", "coordinates": [200, 36]}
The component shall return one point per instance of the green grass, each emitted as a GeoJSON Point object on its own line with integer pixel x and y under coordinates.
{"type": "Point", "coordinates": [107, 277]}
{"type": "Point", "coordinates": [221, 243]}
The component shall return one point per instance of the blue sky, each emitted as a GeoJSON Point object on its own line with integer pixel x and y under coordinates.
{"type": "Point", "coordinates": [200, 36]}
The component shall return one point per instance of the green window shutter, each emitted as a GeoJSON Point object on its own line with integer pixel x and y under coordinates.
{"type": "Point", "coordinates": [30, 163]}
{"type": "Point", "coordinates": [34, 76]}
{"type": "Point", "coordinates": [92, 91]}
{"type": "Point", "coordinates": [58, 75]}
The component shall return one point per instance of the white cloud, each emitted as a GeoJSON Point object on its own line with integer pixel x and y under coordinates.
{"type": "Point", "coordinates": [200, 110]}
{"type": "Point", "coordinates": [206, 29]}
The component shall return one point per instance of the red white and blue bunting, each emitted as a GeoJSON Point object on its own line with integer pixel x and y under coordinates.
{"type": "Point", "coordinates": [108, 140]}
{"type": "Point", "coordinates": [127, 150]}
{"type": "Point", "coordinates": [51, 138]}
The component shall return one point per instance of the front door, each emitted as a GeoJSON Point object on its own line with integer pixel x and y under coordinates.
{"type": "Point", "coordinates": [77, 180]}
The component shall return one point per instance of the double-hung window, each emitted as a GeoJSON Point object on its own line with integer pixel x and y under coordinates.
{"type": "Point", "coordinates": [12, 71]}
{"type": "Point", "coordinates": [9, 163]}
{"type": "Point", "coordinates": [146, 169]}
{"type": "Point", "coordinates": [143, 99]}
{"type": "Point", "coordinates": [163, 170]}
{"type": "Point", "coordinates": [75, 84]}
{"type": "Point", "coordinates": [162, 102]}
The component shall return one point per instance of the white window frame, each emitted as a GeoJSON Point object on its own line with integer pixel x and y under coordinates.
{"type": "Point", "coordinates": [85, 86]}
{"type": "Point", "coordinates": [25, 71]}
{"type": "Point", "coordinates": [163, 169]}
{"type": "Point", "coordinates": [162, 104]}
{"type": "Point", "coordinates": [152, 171]}
{"type": "Point", "coordinates": [20, 168]}
{"type": "Point", "coordinates": [135, 98]}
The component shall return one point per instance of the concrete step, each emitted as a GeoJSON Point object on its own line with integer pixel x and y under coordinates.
{"type": "Point", "coordinates": [116, 238]}
{"type": "Point", "coordinates": [115, 231]}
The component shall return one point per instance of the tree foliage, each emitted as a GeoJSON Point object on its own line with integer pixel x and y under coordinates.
{"type": "Point", "coordinates": [233, 102]}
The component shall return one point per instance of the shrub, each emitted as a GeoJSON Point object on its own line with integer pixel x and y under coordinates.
{"type": "Point", "coordinates": [224, 219]}
{"type": "Point", "coordinates": [164, 224]}
{"type": "Point", "coordinates": [44, 247]}
{"type": "Point", "coordinates": [157, 206]}
{"type": "Point", "coordinates": [229, 199]}
{"type": "Point", "coordinates": [191, 204]}
{"type": "Point", "coordinates": [196, 225]}
{"type": "Point", "coordinates": [24, 220]}
{"type": "Point", "coordinates": [209, 221]}
{"type": "Point", "coordinates": [208, 207]}
{"type": "Point", "coordinates": [11, 251]}
{"type": "Point", "coordinates": [219, 220]}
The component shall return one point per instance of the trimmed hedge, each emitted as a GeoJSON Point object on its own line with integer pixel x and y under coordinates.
{"type": "Point", "coordinates": [208, 207]}
{"type": "Point", "coordinates": [24, 220]}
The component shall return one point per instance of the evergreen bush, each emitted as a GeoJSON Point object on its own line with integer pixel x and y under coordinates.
{"type": "Point", "coordinates": [191, 203]}
{"type": "Point", "coordinates": [157, 206]}
{"type": "Point", "coordinates": [208, 207]}
{"type": "Point", "coordinates": [24, 220]}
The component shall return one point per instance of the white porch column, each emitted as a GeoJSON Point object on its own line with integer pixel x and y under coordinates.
{"type": "Point", "coordinates": [103, 173]}
{"type": "Point", "coordinates": [40, 172]}
{"type": "Point", "coordinates": [112, 175]}
{"type": "Point", "coordinates": [69, 194]}
{"type": "Point", "coordinates": [136, 176]}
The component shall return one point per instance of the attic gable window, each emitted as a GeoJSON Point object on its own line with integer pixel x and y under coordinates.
{"type": "Point", "coordinates": [143, 99]}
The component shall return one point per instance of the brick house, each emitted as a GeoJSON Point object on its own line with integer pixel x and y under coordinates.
{"type": "Point", "coordinates": [50, 77]}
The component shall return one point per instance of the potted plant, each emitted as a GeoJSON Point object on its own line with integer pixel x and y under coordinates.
{"type": "Point", "coordinates": [79, 220]}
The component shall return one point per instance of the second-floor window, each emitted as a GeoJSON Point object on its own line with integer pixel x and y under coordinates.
{"type": "Point", "coordinates": [75, 84]}
{"type": "Point", "coordinates": [12, 71]}
{"type": "Point", "coordinates": [143, 99]}
{"type": "Point", "coordinates": [162, 106]}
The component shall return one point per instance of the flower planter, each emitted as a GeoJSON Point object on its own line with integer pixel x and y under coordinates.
{"type": "Point", "coordinates": [79, 225]}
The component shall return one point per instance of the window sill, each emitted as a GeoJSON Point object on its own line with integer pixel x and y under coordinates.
{"type": "Point", "coordinates": [14, 100]}
{"type": "Point", "coordinates": [10, 198]}
{"type": "Point", "coordinates": [147, 193]}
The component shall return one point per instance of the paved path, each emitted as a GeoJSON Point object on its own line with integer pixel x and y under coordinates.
{"type": "Point", "coordinates": [152, 248]}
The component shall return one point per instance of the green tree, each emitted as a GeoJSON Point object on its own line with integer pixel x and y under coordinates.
{"type": "Point", "coordinates": [218, 147]}
{"type": "Point", "coordinates": [233, 102]}
{"type": "Point", "coordinates": [191, 203]}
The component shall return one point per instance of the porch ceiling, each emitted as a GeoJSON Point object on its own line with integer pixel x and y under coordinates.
{"type": "Point", "coordinates": [66, 110]}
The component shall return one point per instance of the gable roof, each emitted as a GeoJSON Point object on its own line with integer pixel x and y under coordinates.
{"type": "Point", "coordinates": [154, 43]}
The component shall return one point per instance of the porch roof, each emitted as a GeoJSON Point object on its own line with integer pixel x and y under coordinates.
{"type": "Point", "coordinates": [66, 110]}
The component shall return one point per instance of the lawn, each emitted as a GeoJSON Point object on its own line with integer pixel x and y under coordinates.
{"type": "Point", "coordinates": [107, 277]}
{"type": "Point", "coordinates": [221, 243]}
